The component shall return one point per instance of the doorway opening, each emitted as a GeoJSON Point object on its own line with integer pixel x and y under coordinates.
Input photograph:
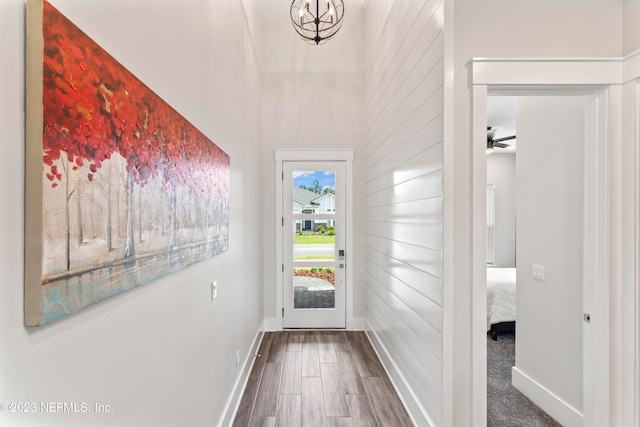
{"type": "Point", "coordinates": [535, 233]}
{"type": "Point", "coordinates": [590, 403]}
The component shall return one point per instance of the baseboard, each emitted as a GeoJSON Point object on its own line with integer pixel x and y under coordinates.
{"type": "Point", "coordinates": [416, 411]}
{"type": "Point", "coordinates": [241, 382]}
{"type": "Point", "coordinates": [553, 405]}
{"type": "Point", "coordinates": [275, 324]}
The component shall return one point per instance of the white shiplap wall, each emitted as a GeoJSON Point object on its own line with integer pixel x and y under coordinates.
{"type": "Point", "coordinates": [404, 188]}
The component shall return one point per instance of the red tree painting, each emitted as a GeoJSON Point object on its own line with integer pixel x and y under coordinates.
{"type": "Point", "coordinates": [130, 189]}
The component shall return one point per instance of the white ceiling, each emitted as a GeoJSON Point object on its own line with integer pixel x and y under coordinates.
{"type": "Point", "coordinates": [501, 115]}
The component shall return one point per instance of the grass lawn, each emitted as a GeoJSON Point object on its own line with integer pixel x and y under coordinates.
{"type": "Point", "coordinates": [310, 239]}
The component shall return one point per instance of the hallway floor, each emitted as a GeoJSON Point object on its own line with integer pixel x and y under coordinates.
{"type": "Point", "coordinates": [319, 378]}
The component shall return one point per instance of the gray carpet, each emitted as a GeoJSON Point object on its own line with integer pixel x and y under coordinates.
{"type": "Point", "coordinates": [506, 406]}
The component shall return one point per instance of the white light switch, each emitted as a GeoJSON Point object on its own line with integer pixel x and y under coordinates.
{"type": "Point", "coordinates": [538, 272]}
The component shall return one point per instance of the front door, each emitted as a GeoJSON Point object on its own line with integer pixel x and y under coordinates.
{"type": "Point", "coordinates": [314, 244]}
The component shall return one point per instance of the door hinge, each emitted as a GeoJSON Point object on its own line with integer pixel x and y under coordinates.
{"type": "Point", "coordinates": [283, 221]}
{"type": "Point", "coordinates": [283, 176]}
{"type": "Point", "coordinates": [282, 311]}
{"type": "Point", "coordinates": [283, 268]}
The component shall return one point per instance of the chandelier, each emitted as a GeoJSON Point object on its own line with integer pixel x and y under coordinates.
{"type": "Point", "coordinates": [316, 21]}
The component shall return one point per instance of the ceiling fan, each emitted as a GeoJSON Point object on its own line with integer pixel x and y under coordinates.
{"type": "Point", "coordinates": [493, 142]}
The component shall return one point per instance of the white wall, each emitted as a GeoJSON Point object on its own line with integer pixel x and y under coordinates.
{"type": "Point", "coordinates": [631, 29]}
{"type": "Point", "coordinates": [549, 202]}
{"type": "Point", "coordinates": [162, 354]}
{"type": "Point", "coordinates": [496, 28]}
{"type": "Point", "coordinates": [404, 188]}
{"type": "Point", "coordinates": [312, 98]}
{"type": "Point", "coordinates": [501, 172]}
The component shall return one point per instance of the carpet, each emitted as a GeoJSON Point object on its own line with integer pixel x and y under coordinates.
{"type": "Point", "coordinates": [506, 406]}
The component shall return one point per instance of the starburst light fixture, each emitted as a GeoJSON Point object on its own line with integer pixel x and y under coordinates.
{"type": "Point", "coordinates": [316, 21]}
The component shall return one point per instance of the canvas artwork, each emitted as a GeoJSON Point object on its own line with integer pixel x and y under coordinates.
{"type": "Point", "coordinates": [121, 189]}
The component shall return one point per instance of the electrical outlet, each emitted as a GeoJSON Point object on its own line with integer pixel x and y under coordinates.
{"type": "Point", "coordinates": [214, 290]}
{"type": "Point", "coordinates": [237, 358]}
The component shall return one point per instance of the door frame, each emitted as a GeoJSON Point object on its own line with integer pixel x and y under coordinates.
{"type": "Point", "coordinates": [313, 155]}
{"type": "Point", "coordinates": [531, 77]}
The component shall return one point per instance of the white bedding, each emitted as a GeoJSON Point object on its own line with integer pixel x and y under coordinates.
{"type": "Point", "coordinates": [501, 295]}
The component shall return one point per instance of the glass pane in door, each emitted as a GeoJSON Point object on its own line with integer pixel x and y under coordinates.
{"type": "Point", "coordinates": [313, 287]}
{"type": "Point", "coordinates": [314, 192]}
{"type": "Point", "coordinates": [318, 246]}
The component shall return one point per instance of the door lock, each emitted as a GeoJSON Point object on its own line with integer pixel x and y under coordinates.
{"type": "Point", "coordinates": [341, 265]}
{"type": "Point", "coordinates": [341, 254]}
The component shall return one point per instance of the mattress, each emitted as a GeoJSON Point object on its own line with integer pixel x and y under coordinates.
{"type": "Point", "coordinates": [501, 295]}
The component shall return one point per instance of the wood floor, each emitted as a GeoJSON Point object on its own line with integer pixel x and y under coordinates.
{"type": "Point", "coordinates": [317, 379]}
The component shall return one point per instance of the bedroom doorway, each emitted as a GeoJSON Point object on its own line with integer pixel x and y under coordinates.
{"type": "Point", "coordinates": [590, 403]}
{"type": "Point", "coordinates": [535, 210]}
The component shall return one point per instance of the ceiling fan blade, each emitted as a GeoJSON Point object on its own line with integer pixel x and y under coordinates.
{"type": "Point", "coordinates": [506, 138]}
{"type": "Point", "coordinates": [501, 145]}
{"type": "Point", "coordinates": [497, 142]}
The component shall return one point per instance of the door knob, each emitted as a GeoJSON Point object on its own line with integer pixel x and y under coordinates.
{"type": "Point", "coordinates": [341, 265]}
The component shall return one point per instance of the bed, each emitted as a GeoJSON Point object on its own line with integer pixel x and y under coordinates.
{"type": "Point", "coordinates": [501, 300]}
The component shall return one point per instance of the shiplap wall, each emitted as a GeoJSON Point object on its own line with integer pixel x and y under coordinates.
{"type": "Point", "coordinates": [404, 188]}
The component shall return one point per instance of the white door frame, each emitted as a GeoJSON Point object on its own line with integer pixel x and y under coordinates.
{"type": "Point", "coordinates": [634, 168]}
{"type": "Point", "coordinates": [283, 155]}
{"type": "Point", "coordinates": [529, 76]}
{"type": "Point", "coordinates": [630, 247]}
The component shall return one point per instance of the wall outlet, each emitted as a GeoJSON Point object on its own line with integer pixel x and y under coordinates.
{"type": "Point", "coordinates": [537, 272]}
{"type": "Point", "coordinates": [214, 290]}
{"type": "Point", "coordinates": [237, 358]}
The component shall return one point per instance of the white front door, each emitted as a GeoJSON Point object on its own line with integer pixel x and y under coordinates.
{"type": "Point", "coordinates": [314, 287]}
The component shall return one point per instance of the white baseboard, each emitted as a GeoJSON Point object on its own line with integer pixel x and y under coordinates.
{"type": "Point", "coordinates": [418, 414]}
{"type": "Point", "coordinates": [275, 324]}
{"type": "Point", "coordinates": [241, 382]}
{"type": "Point", "coordinates": [553, 405]}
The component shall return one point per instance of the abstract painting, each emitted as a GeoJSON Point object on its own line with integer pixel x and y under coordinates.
{"type": "Point", "coordinates": [120, 188]}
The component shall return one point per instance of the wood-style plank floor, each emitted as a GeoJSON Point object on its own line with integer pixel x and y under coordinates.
{"type": "Point", "coordinates": [319, 379]}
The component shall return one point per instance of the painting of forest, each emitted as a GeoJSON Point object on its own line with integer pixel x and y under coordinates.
{"type": "Point", "coordinates": [128, 190]}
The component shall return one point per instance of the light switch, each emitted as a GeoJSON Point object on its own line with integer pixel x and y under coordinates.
{"type": "Point", "coordinates": [538, 272]}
